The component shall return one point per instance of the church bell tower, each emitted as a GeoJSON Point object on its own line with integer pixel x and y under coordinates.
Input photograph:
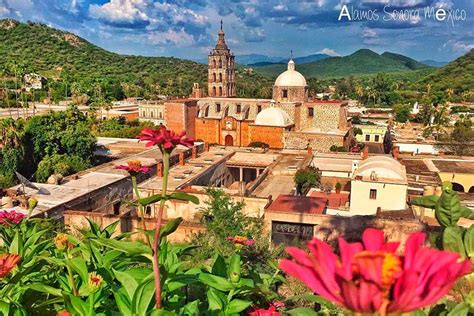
{"type": "Point", "coordinates": [221, 70]}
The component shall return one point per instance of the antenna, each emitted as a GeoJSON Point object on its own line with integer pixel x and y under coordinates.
{"type": "Point", "coordinates": [27, 183]}
{"type": "Point", "coordinates": [221, 25]}
{"type": "Point", "coordinates": [291, 54]}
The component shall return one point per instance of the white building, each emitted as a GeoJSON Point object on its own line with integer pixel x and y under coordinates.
{"type": "Point", "coordinates": [379, 182]}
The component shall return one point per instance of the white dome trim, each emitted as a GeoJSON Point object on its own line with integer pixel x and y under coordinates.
{"type": "Point", "coordinates": [273, 117]}
{"type": "Point", "coordinates": [291, 77]}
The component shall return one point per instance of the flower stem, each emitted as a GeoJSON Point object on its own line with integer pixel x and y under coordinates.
{"type": "Point", "coordinates": [141, 211]}
{"type": "Point", "coordinates": [156, 240]}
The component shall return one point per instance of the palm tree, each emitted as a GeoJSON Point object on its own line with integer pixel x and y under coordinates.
{"type": "Point", "coordinates": [359, 90]}
{"type": "Point", "coordinates": [5, 88]}
{"type": "Point", "coordinates": [12, 66]}
{"type": "Point", "coordinates": [440, 122]}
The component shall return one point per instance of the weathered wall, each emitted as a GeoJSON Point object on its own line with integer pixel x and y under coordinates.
{"type": "Point", "coordinates": [270, 135]}
{"type": "Point", "coordinates": [208, 130]}
{"type": "Point", "coordinates": [180, 116]}
{"type": "Point", "coordinates": [318, 142]}
{"type": "Point", "coordinates": [329, 227]}
{"type": "Point", "coordinates": [390, 197]}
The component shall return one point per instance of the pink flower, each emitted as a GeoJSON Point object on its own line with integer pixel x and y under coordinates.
{"type": "Point", "coordinates": [8, 217]}
{"type": "Point", "coordinates": [7, 263]}
{"type": "Point", "coordinates": [265, 312]}
{"type": "Point", "coordinates": [241, 240]}
{"type": "Point", "coordinates": [278, 304]}
{"type": "Point", "coordinates": [370, 277]}
{"type": "Point", "coordinates": [166, 139]}
{"type": "Point", "coordinates": [133, 167]}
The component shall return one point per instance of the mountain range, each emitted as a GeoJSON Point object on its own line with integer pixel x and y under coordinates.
{"type": "Point", "coordinates": [51, 52]}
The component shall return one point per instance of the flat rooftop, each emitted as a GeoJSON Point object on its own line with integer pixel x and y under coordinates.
{"type": "Point", "coordinates": [297, 204]}
{"type": "Point", "coordinates": [454, 166]}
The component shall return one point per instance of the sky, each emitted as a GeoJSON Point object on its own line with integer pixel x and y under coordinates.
{"type": "Point", "coordinates": [188, 29]}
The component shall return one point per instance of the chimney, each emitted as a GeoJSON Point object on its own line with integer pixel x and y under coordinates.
{"type": "Point", "coordinates": [395, 152]}
{"type": "Point", "coordinates": [365, 153]}
{"type": "Point", "coordinates": [206, 146]}
{"type": "Point", "coordinates": [159, 169]}
{"type": "Point", "coordinates": [310, 151]}
{"type": "Point", "coordinates": [181, 159]}
{"type": "Point", "coordinates": [194, 152]}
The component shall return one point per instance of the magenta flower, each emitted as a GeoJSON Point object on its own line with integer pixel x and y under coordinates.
{"type": "Point", "coordinates": [166, 139]}
{"type": "Point", "coordinates": [241, 240]}
{"type": "Point", "coordinates": [271, 311]}
{"type": "Point", "coordinates": [133, 167]}
{"type": "Point", "coordinates": [8, 217]}
{"type": "Point", "coordinates": [370, 277]}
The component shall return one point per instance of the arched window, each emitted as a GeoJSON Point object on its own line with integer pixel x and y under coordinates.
{"type": "Point", "coordinates": [151, 114]}
{"type": "Point", "coordinates": [213, 91]}
{"type": "Point", "coordinates": [160, 115]}
{"type": "Point", "coordinates": [214, 77]}
{"type": "Point", "coordinates": [220, 63]}
{"type": "Point", "coordinates": [220, 77]}
{"type": "Point", "coordinates": [220, 91]}
{"type": "Point", "coordinates": [214, 63]}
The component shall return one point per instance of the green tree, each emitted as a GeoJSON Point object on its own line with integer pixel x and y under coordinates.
{"type": "Point", "coordinates": [306, 179]}
{"type": "Point", "coordinates": [461, 139]}
{"type": "Point", "coordinates": [402, 113]}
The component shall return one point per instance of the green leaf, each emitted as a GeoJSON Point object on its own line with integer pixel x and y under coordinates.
{"type": "Point", "coordinates": [79, 265]}
{"type": "Point", "coordinates": [425, 201]}
{"type": "Point", "coordinates": [192, 308]}
{"type": "Point", "coordinates": [216, 282]}
{"type": "Point", "coordinates": [180, 280]}
{"type": "Point", "coordinates": [130, 247]}
{"type": "Point", "coordinates": [216, 301]}
{"type": "Point", "coordinates": [462, 309]}
{"type": "Point", "coordinates": [128, 281]}
{"type": "Point", "coordinates": [170, 227]}
{"type": "Point", "coordinates": [143, 296]}
{"type": "Point", "coordinates": [16, 245]}
{"type": "Point", "coordinates": [152, 199]}
{"type": "Point", "coordinates": [123, 302]}
{"type": "Point", "coordinates": [302, 311]}
{"type": "Point", "coordinates": [184, 197]}
{"type": "Point", "coordinates": [452, 240]}
{"type": "Point", "coordinates": [234, 268]}
{"type": "Point", "coordinates": [237, 306]}
{"type": "Point", "coordinates": [40, 287]}
{"type": "Point", "coordinates": [469, 241]}
{"type": "Point", "coordinates": [110, 229]}
{"type": "Point", "coordinates": [219, 267]}
{"type": "Point", "coordinates": [311, 298]}
{"type": "Point", "coordinates": [4, 308]}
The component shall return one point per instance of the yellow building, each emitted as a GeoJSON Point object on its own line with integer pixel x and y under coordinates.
{"type": "Point", "coordinates": [371, 133]}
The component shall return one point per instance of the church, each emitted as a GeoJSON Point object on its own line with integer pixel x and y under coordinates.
{"type": "Point", "coordinates": [290, 120]}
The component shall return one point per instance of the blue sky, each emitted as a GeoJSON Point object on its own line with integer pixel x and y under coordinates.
{"type": "Point", "coordinates": [188, 29]}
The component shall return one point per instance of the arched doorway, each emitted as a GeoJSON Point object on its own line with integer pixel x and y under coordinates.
{"type": "Point", "coordinates": [458, 187]}
{"type": "Point", "coordinates": [229, 140]}
{"type": "Point", "coordinates": [471, 190]}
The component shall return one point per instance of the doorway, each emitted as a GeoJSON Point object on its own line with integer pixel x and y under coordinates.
{"type": "Point", "coordinates": [229, 140]}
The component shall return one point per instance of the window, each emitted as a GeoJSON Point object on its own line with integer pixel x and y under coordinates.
{"type": "Point", "coordinates": [284, 93]}
{"type": "Point", "coordinates": [160, 115]}
{"type": "Point", "coordinates": [151, 114]}
{"type": "Point", "coordinates": [220, 77]}
{"type": "Point", "coordinates": [367, 138]}
{"type": "Point", "coordinates": [148, 210]}
{"type": "Point", "coordinates": [238, 108]}
{"type": "Point", "coordinates": [310, 112]}
{"type": "Point", "coordinates": [259, 108]}
{"type": "Point", "coordinates": [220, 91]}
{"type": "Point", "coordinates": [373, 194]}
{"type": "Point", "coordinates": [377, 137]}
{"type": "Point", "coordinates": [214, 77]}
{"type": "Point", "coordinates": [218, 107]}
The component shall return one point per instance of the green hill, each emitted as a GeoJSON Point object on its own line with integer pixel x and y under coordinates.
{"type": "Point", "coordinates": [362, 62]}
{"type": "Point", "coordinates": [457, 75]}
{"type": "Point", "coordinates": [55, 54]}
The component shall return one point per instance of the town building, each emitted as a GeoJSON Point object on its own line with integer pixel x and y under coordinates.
{"type": "Point", "coordinates": [290, 120]}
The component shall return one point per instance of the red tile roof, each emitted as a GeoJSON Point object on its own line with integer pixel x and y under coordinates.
{"type": "Point", "coordinates": [298, 204]}
{"type": "Point", "coordinates": [334, 199]}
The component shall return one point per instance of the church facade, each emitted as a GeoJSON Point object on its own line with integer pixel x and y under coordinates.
{"type": "Point", "coordinates": [290, 120]}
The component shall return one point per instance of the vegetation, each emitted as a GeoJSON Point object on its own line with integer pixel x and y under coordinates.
{"type": "Point", "coordinates": [306, 179]}
{"type": "Point", "coordinates": [119, 127]}
{"type": "Point", "coordinates": [81, 71]}
{"type": "Point", "coordinates": [58, 142]}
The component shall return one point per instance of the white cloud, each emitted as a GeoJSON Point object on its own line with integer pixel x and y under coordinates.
{"type": "Point", "coordinates": [368, 33]}
{"type": "Point", "coordinates": [121, 11]}
{"type": "Point", "coordinates": [459, 46]}
{"type": "Point", "coordinates": [329, 51]}
{"type": "Point", "coordinates": [170, 37]}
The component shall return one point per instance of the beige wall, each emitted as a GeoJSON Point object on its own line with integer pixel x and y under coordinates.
{"type": "Point", "coordinates": [465, 179]}
{"type": "Point", "coordinates": [389, 197]}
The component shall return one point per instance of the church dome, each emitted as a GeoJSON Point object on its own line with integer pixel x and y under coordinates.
{"type": "Point", "coordinates": [273, 117]}
{"type": "Point", "coordinates": [291, 77]}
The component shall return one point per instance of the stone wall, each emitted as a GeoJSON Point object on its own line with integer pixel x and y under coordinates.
{"type": "Point", "coordinates": [208, 130]}
{"type": "Point", "coordinates": [294, 94]}
{"type": "Point", "coordinates": [180, 116]}
{"type": "Point", "coordinates": [329, 227]}
{"type": "Point", "coordinates": [318, 142]}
